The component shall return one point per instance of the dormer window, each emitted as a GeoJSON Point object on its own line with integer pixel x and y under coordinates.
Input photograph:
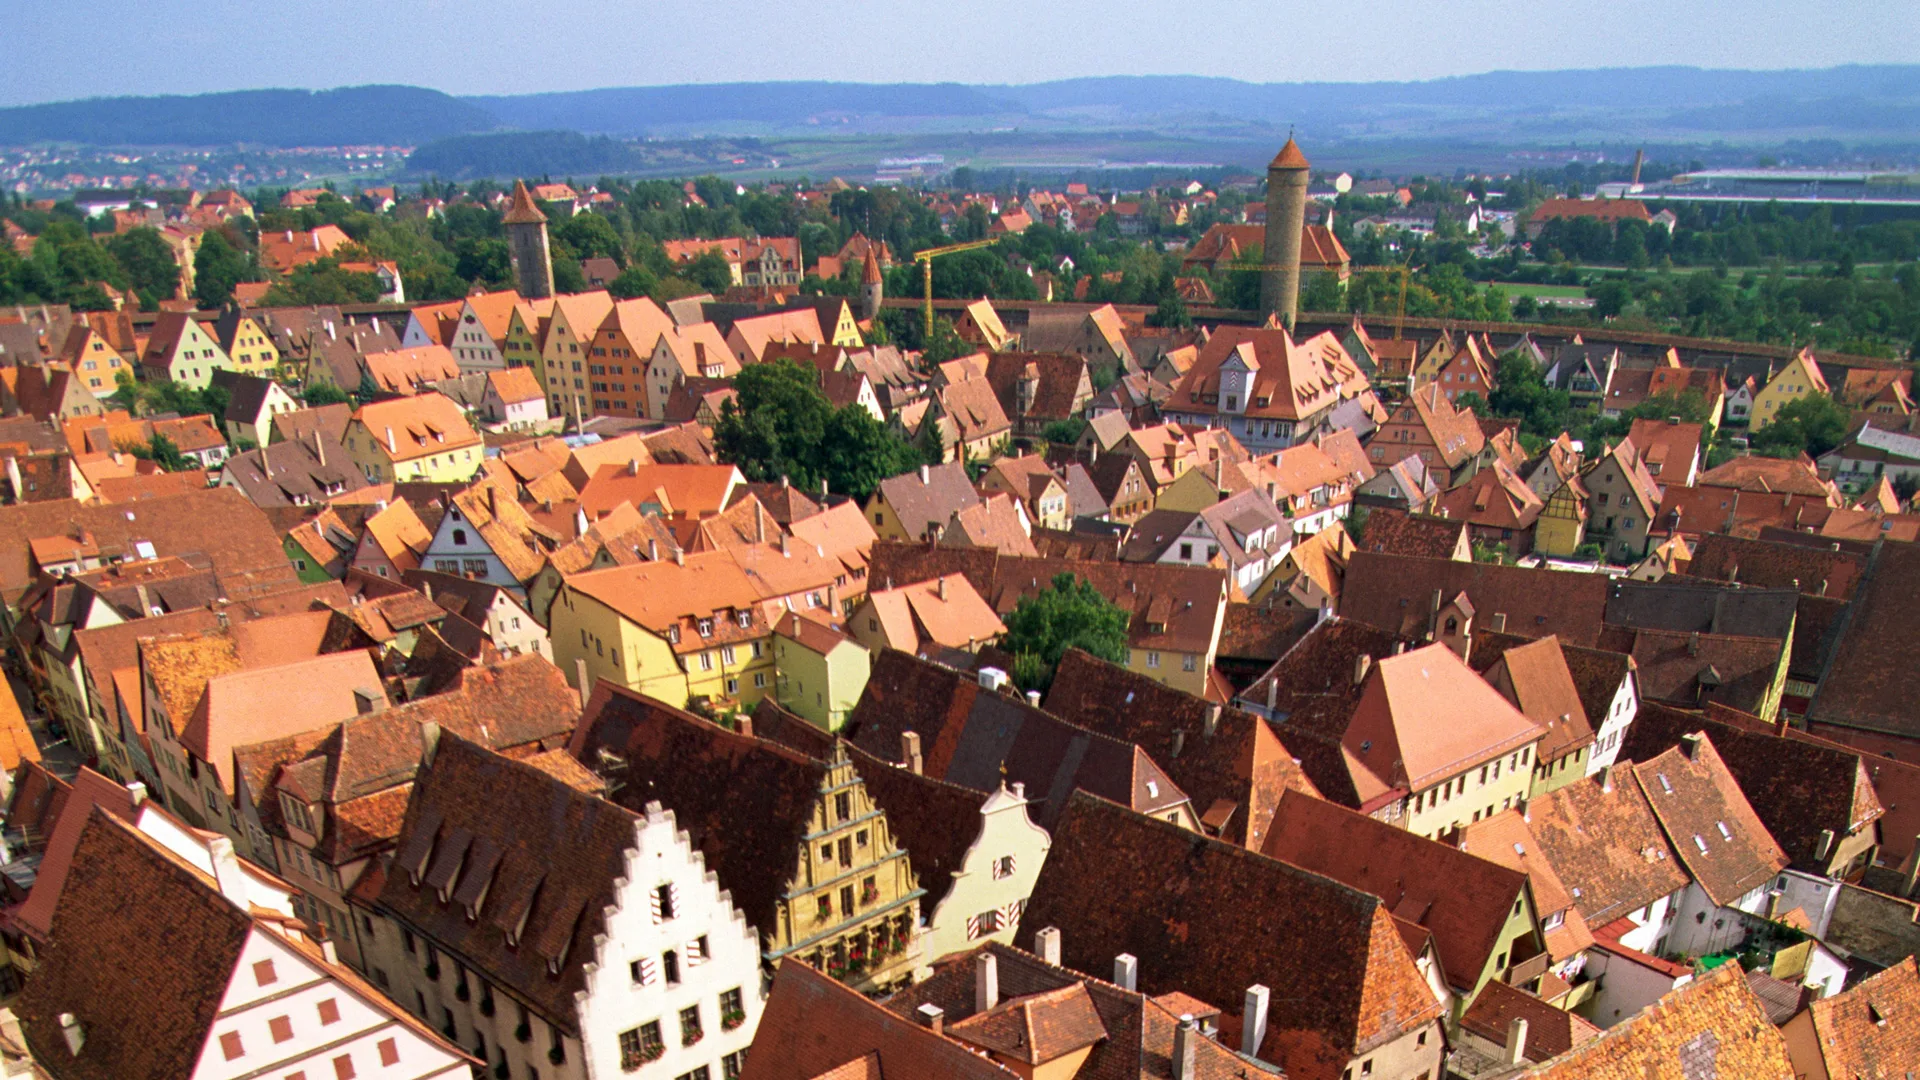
{"type": "Point", "coordinates": [673, 635]}
{"type": "Point", "coordinates": [744, 617]}
{"type": "Point", "coordinates": [706, 628]}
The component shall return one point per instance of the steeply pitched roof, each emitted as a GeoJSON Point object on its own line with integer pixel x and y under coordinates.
{"type": "Point", "coordinates": [1796, 788]}
{"type": "Point", "coordinates": [1394, 593]}
{"type": "Point", "coordinates": [142, 950]}
{"type": "Point", "coordinates": [1227, 761]}
{"type": "Point", "coordinates": [1821, 570]}
{"type": "Point", "coordinates": [1708, 821]}
{"type": "Point", "coordinates": [1463, 899]}
{"type": "Point", "coordinates": [1606, 845]}
{"type": "Point", "coordinates": [1551, 1030]}
{"type": "Point", "coordinates": [1119, 882]}
{"type": "Point", "coordinates": [936, 822]}
{"type": "Point", "coordinates": [1424, 716]}
{"type": "Point", "coordinates": [542, 877]}
{"type": "Point", "coordinates": [928, 498]}
{"type": "Point", "coordinates": [1712, 1027]}
{"type": "Point", "coordinates": [977, 738]}
{"type": "Point", "coordinates": [1866, 684]}
{"type": "Point", "coordinates": [1873, 1029]}
{"type": "Point", "coordinates": [1397, 532]}
{"type": "Point", "coordinates": [1171, 608]}
{"type": "Point", "coordinates": [1536, 679]}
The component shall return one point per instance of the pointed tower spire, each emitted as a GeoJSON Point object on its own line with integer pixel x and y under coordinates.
{"type": "Point", "coordinates": [527, 247]}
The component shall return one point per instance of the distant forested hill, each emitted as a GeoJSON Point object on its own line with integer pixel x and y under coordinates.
{"type": "Point", "coordinates": [356, 115]}
{"type": "Point", "coordinates": [526, 153]}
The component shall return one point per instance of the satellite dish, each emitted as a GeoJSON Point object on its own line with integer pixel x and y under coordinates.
{"type": "Point", "coordinates": [1343, 183]}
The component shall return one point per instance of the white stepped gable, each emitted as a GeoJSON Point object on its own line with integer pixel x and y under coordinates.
{"type": "Point", "coordinates": [674, 955]}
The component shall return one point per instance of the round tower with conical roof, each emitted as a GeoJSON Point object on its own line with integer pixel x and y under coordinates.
{"type": "Point", "coordinates": [527, 249]}
{"type": "Point", "coordinates": [872, 287]}
{"type": "Point", "coordinates": [1286, 222]}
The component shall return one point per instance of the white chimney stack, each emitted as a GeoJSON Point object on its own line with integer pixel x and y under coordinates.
{"type": "Point", "coordinates": [1126, 971]}
{"type": "Point", "coordinates": [986, 982]}
{"type": "Point", "coordinates": [1047, 944]}
{"type": "Point", "coordinates": [226, 871]}
{"type": "Point", "coordinates": [75, 1035]}
{"type": "Point", "coordinates": [1253, 1020]}
{"type": "Point", "coordinates": [1516, 1041]}
{"type": "Point", "coordinates": [1185, 1048]}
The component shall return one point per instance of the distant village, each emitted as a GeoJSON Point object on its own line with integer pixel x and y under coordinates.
{"type": "Point", "coordinates": [568, 684]}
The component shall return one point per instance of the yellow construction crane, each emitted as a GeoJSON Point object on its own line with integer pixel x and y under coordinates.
{"type": "Point", "coordinates": [1405, 273]}
{"type": "Point", "coordinates": [925, 259]}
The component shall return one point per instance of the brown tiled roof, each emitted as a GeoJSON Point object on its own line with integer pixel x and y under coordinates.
{"type": "Point", "coordinates": [141, 953]}
{"type": "Point", "coordinates": [63, 822]}
{"type": "Point", "coordinates": [1252, 632]}
{"type": "Point", "coordinates": [1692, 669]}
{"type": "Point", "coordinates": [1713, 1027]}
{"type": "Point", "coordinates": [1872, 1030]}
{"type": "Point", "coordinates": [820, 1028]}
{"type": "Point", "coordinates": [543, 875]}
{"type": "Point", "coordinates": [1055, 397]}
{"type": "Point", "coordinates": [1506, 838]}
{"type": "Point", "coordinates": [1866, 684]}
{"type": "Point", "coordinates": [746, 802]}
{"type": "Point", "coordinates": [1606, 845]}
{"type": "Point", "coordinates": [1819, 570]}
{"type": "Point", "coordinates": [1796, 788]}
{"type": "Point", "coordinates": [1037, 1028]}
{"type": "Point", "coordinates": [1215, 754]}
{"type": "Point", "coordinates": [1463, 899]}
{"type": "Point", "coordinates": [1597, 673]}
{"type": "Point", "coordinates": [1550, 1030]}
{"type": "Point", "coordinates": [1397, 532]}
{"type": "Point", "coordinates": [1394, 592]}
{"type": "Point", "coordinates": [977, 738]}
{"type": "Point", "coordinates": [1536, 678]}
{"type": "Point", "coordinates": [1184, 602]}
{"type": "Point", "coordinates": [1137, 1032]}
{"type": "Point", "coordinates": [1115, 882]}
{"type": "Point", "coordinates": [218, 525]}
{"type": "Point", "coordinates": [919, 505]}
{"type": "Point", "coordinates": [1708, 821]}
{"type": "Point", "coordinates": [1770, 475]}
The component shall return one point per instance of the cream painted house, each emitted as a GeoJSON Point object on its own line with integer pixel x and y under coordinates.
{"type": "Point", "coordinates": [990, 889]}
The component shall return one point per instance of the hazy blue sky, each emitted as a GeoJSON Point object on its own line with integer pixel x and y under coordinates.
{"type": "Point", "coordinates": [58, 49]}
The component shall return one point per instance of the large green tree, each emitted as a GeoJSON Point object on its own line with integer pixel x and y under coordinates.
{"type": "Point", "coordinates": [781, 424]}
{"type": "Point", "coordinates": [217, 268]}
{"type": "Point", "coordinates": [1812, 425]}
{"type": "Point", "coordinates": [148, 262]}
{"type": "Point", "coordinates": [1068, 614]}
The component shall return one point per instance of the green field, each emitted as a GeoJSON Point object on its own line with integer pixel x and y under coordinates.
{"type": "Point", "coordinates": [1515, 289]}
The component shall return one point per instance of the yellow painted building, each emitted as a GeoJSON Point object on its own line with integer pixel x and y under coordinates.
{"type": "Point", "coordinates": [424, 437]}
{"type": "Point", "coordinates": [846, 331]}
{"type": "Point", "coordinates": [1562, 525]}
{"type": "Point", "coordinates": [521, 345]}
{"type": "Point", "coordinates": [821, 671]}
{"type": "Point", "coordinates": [250, 347]}
{"type": "Point", "coordinates": [565, 348]}
{"type": "Point", "coordinates": [678, 630]}
{"type": "Point", "coordinates": [1800, 378]}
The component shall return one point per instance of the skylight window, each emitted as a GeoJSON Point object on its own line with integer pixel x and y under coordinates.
{"type": "Point", "coordinates": [1153, 790]}
{"type": "Point", "coordinates": [1664, 786]}
{"type": "Point", "coordinates": [1725, 833]}
{"type": "Point", "coordinates": [1700, 843]}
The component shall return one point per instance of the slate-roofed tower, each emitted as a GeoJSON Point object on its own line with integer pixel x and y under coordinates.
{"type": "Point", "coordinates": [1286, 220]}
{"type": "Point", "coordinates": [527, 245]}
{"type": "Point", "coordinates": [872, 287]}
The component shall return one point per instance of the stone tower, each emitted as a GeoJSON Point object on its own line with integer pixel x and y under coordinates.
{"type": "Point", "coordinates": [1286, 221]}
{"type": "Point", "coordinates": [527, 245]}
{"type": "Point", "coordinates": [872, 287]}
